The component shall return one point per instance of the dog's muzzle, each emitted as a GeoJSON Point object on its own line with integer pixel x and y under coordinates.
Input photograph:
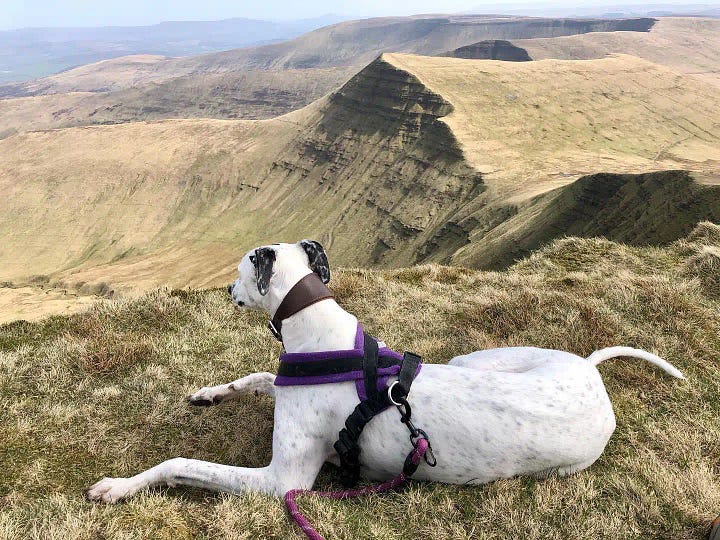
{"type": "Point", "coordinates": [230, 292]}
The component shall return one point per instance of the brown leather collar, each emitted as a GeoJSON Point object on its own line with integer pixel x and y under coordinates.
{"type": "Point", "coordinates": [304, 293]}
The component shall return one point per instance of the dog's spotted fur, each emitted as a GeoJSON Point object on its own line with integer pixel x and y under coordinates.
{"type": "Point", "coordinates": [491, 414]}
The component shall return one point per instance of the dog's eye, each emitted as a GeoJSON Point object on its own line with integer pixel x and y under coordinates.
{"type": "Point", "coordinates": [252, 259]}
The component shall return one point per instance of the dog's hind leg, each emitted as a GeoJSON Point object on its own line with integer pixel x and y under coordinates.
{"type": "Point", "coordinates": [259, 383]}
{"type": "Point", "coordinates": [564, 470]}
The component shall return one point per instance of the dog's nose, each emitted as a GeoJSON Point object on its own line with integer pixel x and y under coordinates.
{"type": "Point", "coordinates": [230, 290]}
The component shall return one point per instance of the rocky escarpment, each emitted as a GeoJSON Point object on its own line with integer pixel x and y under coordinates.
{"type": "Point", "coordinates": [492, 49]}
{"type": "Point", "coordinates": [583, 26]}
{"type": "Point", "coordinates": [390, 171]}
{"type": "Point", "coordinates": [642, 209]}
{"type": "Point", "coordinates": [638, 209]}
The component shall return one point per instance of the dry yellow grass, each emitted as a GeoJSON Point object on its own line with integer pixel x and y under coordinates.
{"type": "Point", "coordinates": [686, 45]}
{"type": "Point", "coordinates": [372, 171]}
{"type": "Point", "coordinates": [102, 393]}
{"type": "Point", "coordinates": [33, 303]}
{"type": "Point", "coordinates": [533, 126]}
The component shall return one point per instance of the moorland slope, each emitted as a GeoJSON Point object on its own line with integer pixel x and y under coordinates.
{"type": "Point", "coordinates": [415, 159]}
{"type": "Point", "coordinates": [103, 393]}
{"type": "Point", "coordinates": [687, 45]}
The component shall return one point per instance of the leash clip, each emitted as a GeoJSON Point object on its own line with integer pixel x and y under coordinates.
{"type": "Point", "coordinates": [415, 432]}
{"type": "Point", "coordinates": [429, 455]}
{"type": "Point", "coordinates": [401, 400]}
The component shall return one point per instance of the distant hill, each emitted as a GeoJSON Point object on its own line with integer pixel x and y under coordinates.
{"type": "Point", "coordinates": [688, 45]}
{"type": "Point", "coordinates": [491, 49]}
{"type": "Point", "coordinates": [260, 82]}
{"type": "Point", "coordinates": [416, 159]}
{"type": "Point", "coordinates": [29, 53]}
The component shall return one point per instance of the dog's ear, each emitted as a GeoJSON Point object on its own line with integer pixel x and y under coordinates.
{"type": "Point", "coordinates": [318, 260]}
{"type": "Point", "coordinates": [264, 260]}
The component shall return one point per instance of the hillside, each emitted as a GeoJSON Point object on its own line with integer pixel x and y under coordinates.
{"type": "Point", "coordinates": [686, 45]}
{"type": "Point", "coordinates": [29, 53]}
{"type": "Point", "coordinates": [639, 209]}
{"type": "Point", "coordinates": [415, 159]}
{"type": "Point", "coordinates": [103, 393]}
{"type": "Point", "coordinates": [491, 49]}
{"type": "Point", "coordinates": [243, 95]}
{"type": "Point", "coordinates": [103, 76]}
{"type": "Point", "coordinates": [261, 82]}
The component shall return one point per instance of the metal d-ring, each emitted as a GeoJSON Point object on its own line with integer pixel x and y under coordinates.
{"type": "Point", "coordinates": [390, 396]}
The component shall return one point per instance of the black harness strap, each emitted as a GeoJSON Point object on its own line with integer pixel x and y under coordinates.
{"type": "Point", "coordinates": [408, 369]}
{"type": "Point", "coordinates": [347, 445]}
{"type": "Point", "coordinates": [370, 366]}
{"type": "Point", "coordinates": [320, 368]}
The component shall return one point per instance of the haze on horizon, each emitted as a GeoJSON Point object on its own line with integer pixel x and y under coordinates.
{"type": "Point", "coordinates": [18, 14]}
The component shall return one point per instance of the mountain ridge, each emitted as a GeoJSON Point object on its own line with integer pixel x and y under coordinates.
{"type": "Point", "coordinates": [406, 163]}
{"type": "Point", "coordinates": [260, 82]}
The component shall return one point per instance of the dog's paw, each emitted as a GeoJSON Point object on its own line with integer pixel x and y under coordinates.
{"type": "Point", "coordinates": [111, 490]}
{"type": "Point", "coordinates": [206, 396]}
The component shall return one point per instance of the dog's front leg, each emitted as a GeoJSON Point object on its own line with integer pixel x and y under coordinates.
{"type": "Point", "coordinates": [294, 465]}
{"type": "Point", "coordinates": [260, 383]}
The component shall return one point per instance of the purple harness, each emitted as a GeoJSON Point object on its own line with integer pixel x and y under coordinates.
{"type": "Point", "coordinates": [370, 366]}
{"type": "Point", "coordinates": [338, 366]}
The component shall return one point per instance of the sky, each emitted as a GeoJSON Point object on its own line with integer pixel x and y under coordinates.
{"type": "Point", "coordinates": [39, 13]}
{"type": "Point", "coordinates": [26, 13]}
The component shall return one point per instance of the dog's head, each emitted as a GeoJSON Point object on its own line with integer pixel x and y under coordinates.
{"type": "Point", "coordinates": [267, 273]}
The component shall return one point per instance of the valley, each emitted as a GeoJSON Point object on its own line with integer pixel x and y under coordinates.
{"type": "Point", "coordinates": [416, 159]}
{"type": "Point", "coordinates": [437, 157]}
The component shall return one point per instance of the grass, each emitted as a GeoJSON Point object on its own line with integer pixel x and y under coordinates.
{"type": "Point", "coordinates": [101, 393]}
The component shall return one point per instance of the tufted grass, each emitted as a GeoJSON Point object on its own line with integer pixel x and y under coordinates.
{"type": "Point", "coordinates": [101, 393]}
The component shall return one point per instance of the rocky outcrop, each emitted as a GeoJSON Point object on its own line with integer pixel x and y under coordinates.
{"type": "Point", "coordinates": [380, 156]}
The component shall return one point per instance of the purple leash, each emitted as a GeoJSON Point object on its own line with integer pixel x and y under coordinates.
{"type": "Point", "coordinates": [416, 455]}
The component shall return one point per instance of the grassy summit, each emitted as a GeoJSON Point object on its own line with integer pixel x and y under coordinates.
{"type": "Point", "coordinates": [102, 393]}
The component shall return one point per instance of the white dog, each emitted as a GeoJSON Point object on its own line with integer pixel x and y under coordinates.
{"type": "Point", "coordinates": [490, 414]}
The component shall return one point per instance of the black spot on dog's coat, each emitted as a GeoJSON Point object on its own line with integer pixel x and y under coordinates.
{"type": "Point", "coordinates": [264, 261]}
{"type": "Point", "coordinates": [318, 259]}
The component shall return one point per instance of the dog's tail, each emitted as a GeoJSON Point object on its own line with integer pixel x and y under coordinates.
{"type": "Point", "coordinates": [611, 352]}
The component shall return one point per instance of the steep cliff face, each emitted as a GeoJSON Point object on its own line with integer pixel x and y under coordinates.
{"type": "Point", "coordinates": [380, 159]}
{"type": "Point", "coordinates": [643, 209]}
{"type": "Point", "coordinates": [638, 209]}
